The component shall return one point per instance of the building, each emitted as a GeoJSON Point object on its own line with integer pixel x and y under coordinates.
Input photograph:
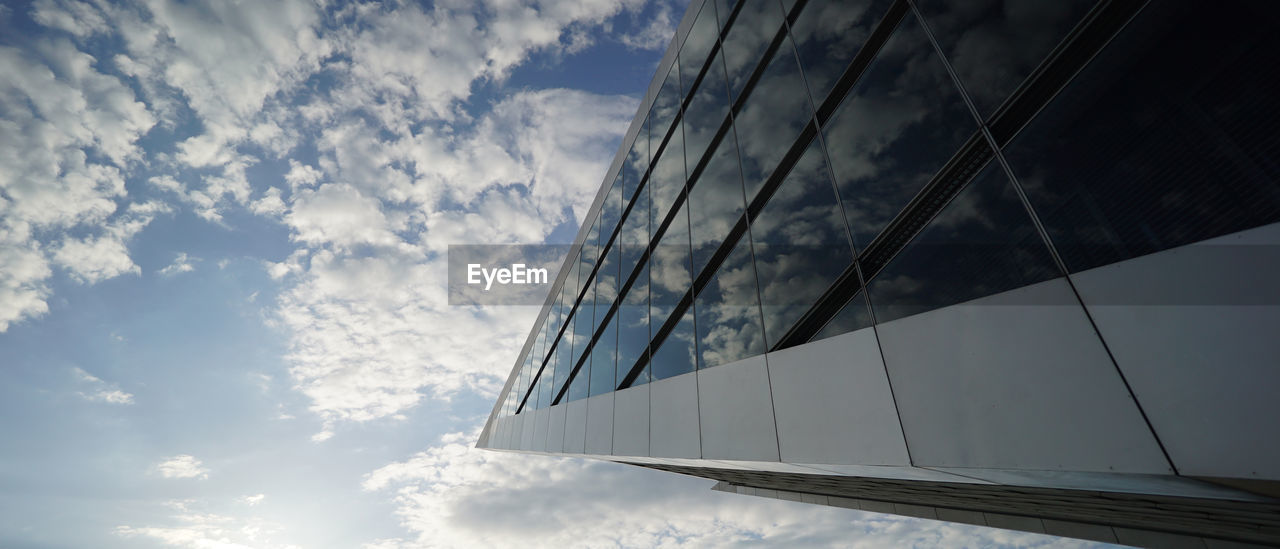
{"type": "Point", "coordinates": [1006, 263]}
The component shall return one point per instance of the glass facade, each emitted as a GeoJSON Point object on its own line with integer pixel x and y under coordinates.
{"type": "Point", "coordinates": [810, 168]}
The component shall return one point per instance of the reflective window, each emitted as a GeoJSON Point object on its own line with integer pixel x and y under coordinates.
{"type": "Point", "coordinates": [634, 237]}
{"type": "Point", "coordinates": [896, 128]}
{"type": "Point", "coordinates": [775, 112]}
{"type": "Point", "coordinates": [697, 45]}
{"type": "Point", "coordinates": [724, 8]}
{"type": "Point", "coordinates": [994, 44]}
{"type": "Point", "coordinates": [728, 311]}
{"type": "Point", "coordinates": [801, 245]}
{"type": "Point", "coordinates": [705, 114]}
{"type": "Point", "coordinates": [583, 329]}
{"type": "Point", "coordinates": [748, 38]}
{"type": "Point", "coordinates": [1166, 138]}
{"type": "Point", "coordinates": [611, 210]}
{"type": "Point", "coordinates": [669, 277]}
{"type": "Point", "coordinates": [828, 34]}
{"type": "Point", "coordinates": [853, 316]}
{"type": "Point", "coordinates": [715, 202]}
{"type": "Point", "coordinates": [564, 360]}
{"type": "Point", "coordinates": [633, 328]}
{"type": "Point", "coordinates": [666, 105]}
{"type": "Point", "coordinates": [590, 251]}
{"type": "Point", "coordinates": [677, 354]}
{"type": "Point", "coordinates": [980, 244]}
{"type": "Point", "coordinates": [634, 166]}
{"type": "Point", "coordinates": [603, 355]}
{"type": "Point", "coordinates": [667, 180]}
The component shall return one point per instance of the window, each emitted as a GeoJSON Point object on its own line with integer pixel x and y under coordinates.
{"type": "Point", "coordinates": [895, 130]}
{"type": "Point", "coordinates": [1166, 138]}
{"type": "Point", "coordinates": [728, 311]}
{"type": "Point", "coordinates": [980, 244]}
{"type": "Point", "coordinates": [828, 34]}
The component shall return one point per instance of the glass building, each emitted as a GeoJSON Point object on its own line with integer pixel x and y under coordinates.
{"type": "Point", "coordinates": [1009, 263]}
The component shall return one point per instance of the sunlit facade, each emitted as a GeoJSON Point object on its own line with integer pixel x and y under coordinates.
{"type": "Point", "coordinates": [1006, 263]}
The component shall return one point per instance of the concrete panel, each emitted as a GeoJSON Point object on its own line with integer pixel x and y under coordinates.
{"type": "Point", "coordinates": [736, 412]}
{"type": "Point", "coordinates": [527, 422]}
{"type": "Point", "coordinates": [555, 428]}
{"type": "Point", "coordinates": [1194, 331]}
{"type": "Point", "coordinates": [540, 423]}
{"type": "Point", "coordinates": [599, 425]}
{"type": "Point", "coordinates": [575, 427]}
{"type": "Point", "coordinates": [833, 403]}
{"type": "Point", "coordinates": [631, 421]}
{"type": "Point", "coordinates": [1017, 380]}
{"type": "Point", "coordinates": [673, 417]}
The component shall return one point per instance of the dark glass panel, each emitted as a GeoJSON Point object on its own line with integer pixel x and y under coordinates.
{"type": "Point", "coordinates": [664, 109]}
{"type": "Point", "coordinates": [669, 277]}
{"type": "Point", "coordinates": [606, 282]}
{"type": "Point", "coordinates": [546, 381]}
{"type": "Point", "coordinates": [775, 112]}
{"type": "Point", "coordinates": [707, 111]}
{"type": "Point", "coordinates": [564, 358]}
{"type": "Point", "coordinates": [801, 245]}
{"type": "Point", "coordinates": [895, 130]}
{"type": "Point", "coordinates": [590, 251]}
{"type": "Point", "coordinates": [715, 202]}
{"type": "Point", "coordinates": [580, 385]}
{"type": "Point", "coordinates": [697, 45]}
{"type": "Point", "coordinates": [1170, 136]}
{"type": "Point", "coordinates": [603, 355]}
{"type": "Point", "coordinates": [729, 325]}
{"type": "Point", "coordinates": [634, 238]}
{"type": "Point", "coordinates": [994, 44]}
{"type": "Point", "coordinates": [636, 163]}
{"type": "Point", "coordinates": [723, 9]}
{"type": "Point", "coordinates": [552, 327]}
{"type": "Point", "coordinates": [678, 352]}
{"type": "Point", "coordinates": [980, 244]}
{"type": "Point", "coordinates": [584, 327]}
{"type": "Point", "coordinates": [747, 40]}
{"type": "Point", "coordinates": [667, 180]}
{"type": "Point", "coordinates": [828, 34]}
{"type": "Point", "coordinates": [633, 327]}
{"type": "Point", "coordinates": [854, 316]}
{"type": "Point", "coordinates": [611, 210]}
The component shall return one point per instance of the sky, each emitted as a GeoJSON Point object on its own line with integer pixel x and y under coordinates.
{"type": "Point", "coordinates": [223, 312]}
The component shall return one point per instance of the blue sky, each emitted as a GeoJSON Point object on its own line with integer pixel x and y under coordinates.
{"type": "Point", "coordinates": [223, 318]}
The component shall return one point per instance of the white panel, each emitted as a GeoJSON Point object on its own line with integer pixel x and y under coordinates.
{"type": "Point", "coordinates": [1014, 381]}
{"type": "Point", "coordinates": [833, 403]}
{"type": "Point", "coordinates": [1195, 331]}
{"type": "Point", "coordinates": [735, 411]}
{"type": "Point", "coordinates": [527, 421]}
{"type": "Point", "coordinates": [540, 423]}
{"type": "Point", "coordinates": [555, 428]}
{"type": "Point", "coordinates": [631, 421]}
{"type": "Point", "coordinates": [495, 434]}
{"type": "Point", "coordinates": [575, 427]}
{"type": "Point", "coordinates": [600, 424]}
{"type": "Point", "coordinates": [1168, 485]}
{"type": "Point", "coordinates": [673, 417]}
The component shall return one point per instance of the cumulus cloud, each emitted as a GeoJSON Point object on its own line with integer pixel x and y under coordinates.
{"type": "Point", "coordinates": [97, 390]}
{"type": "Point", "coordinates": [448, 496]}
{"type": "Point", "coordinates": [183, 263]}
{"type": "Point", "coordinates": [68, 134]}
{"type": "Point", "coordinates": [372, 331]}
{"type": "Point", "coordinates": [182, 466]}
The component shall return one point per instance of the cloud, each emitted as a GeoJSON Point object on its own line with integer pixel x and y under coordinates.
{"type": "Point", "coordinates": [192, 524]}
{"type": "Point", "coordinates": [183, 263]}
{"type": "Point", "coordinates": [68, 135]}
{"type": "Point", "coordinates": [182, 466]}
{"type": "Point", "coordinates": [450, 494]}
{"type": "Point", "coordinates": [253, 500]}
{"type": "Point", "coordinates": [371, 329]}
{"type": "Point", "coordinates": [656, 35]}
{"type": "Point", "coordinates": [100, 391]}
